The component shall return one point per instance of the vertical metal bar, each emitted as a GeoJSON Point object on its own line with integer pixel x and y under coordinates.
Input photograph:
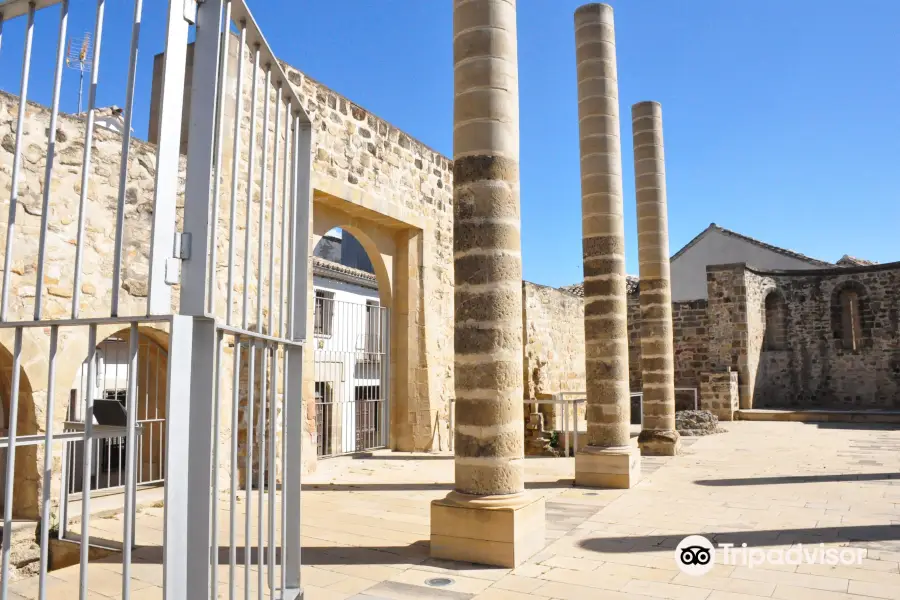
{"type": "Point", "coordinates": [64, 489]}
{"type": "Point", "coordinates": [264, 171]}
{"type": "Point", "coordinates": [131, 432]}
{"type": "Point", "coordinates": [284, 461]}
{"type": "Point", "coordinates": [86, 463]}
{"type": "Point", "coordinates": [248, 464]}
{"type": "Point", "coordinates": [17, 164]}
{"type": "Point", "coordinates": [209, 75]}
{"type": "Point", "coordinates": [272, 211]}
{"type": "Point", "coordinates": [8, 495]}
{"type": "Point", "coordinates": [302, 200]}
{"type": "Point", "coordinates": [123, 164]}
{"type": "Point", "coordinates": [575, 426]}
{"type": "Point", "coordinates": [235, 424]}
{"type": "Point", "coordinates": [182, 434]}
{"type": "Point", "coordinates": [200, 467]}
{"type": "Point", "coordinates": [48, 460]}
{"type": "Point", "coordinates": [286, 195]}
{"type": "Point", "coordinates": [261, 469]}
{"type": "Point", "coordinates": [168, 151]}
{"type": "Point", "coordinates": [217, 409]}
{"type": "Point", "coordinates": [271, 479]}
{"type": "Point", "coordinates": [235, 162]}
{"type": "Point", "coordinates": [290, 495]}
{"type": "Point", "coordinates": [51, 153]}
{"type": "Point", "coordinates": [250, 164]}
{"type": "Point", "coordinates": [205, 147]}
{"type": "Point", "coordinates": [86, 158]}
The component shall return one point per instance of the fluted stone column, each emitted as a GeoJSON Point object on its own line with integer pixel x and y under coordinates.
{"type": "Point", "coordinates": [488, 518]}
{"type": "Point", "coordinates": [658, 436]}
{"type": "Point", "coordinates": [609, 460]}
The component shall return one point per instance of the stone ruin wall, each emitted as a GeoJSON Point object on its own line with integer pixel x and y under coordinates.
{"type": "Point", "coordinates": [357, 154]}
{"type": "Point", "coordinates": [814, 370]}
{"type": "Point", "coordinates": [553, 343]}
{"type": "Point", "coordinates": [351, 146]}
{"type": "Point", "coordinates": [357, 149]}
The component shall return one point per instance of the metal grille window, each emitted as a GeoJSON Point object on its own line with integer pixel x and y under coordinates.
{"type": "Point", "coordinates": [373, 329]}
{"type": "Point", "coordinates": [324, 315]}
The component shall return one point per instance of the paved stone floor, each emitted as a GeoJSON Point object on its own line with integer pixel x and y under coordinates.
{"type": "Point", "coordinates": [770, 485]}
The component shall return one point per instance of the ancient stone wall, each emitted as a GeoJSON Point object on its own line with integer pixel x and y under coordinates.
{"type": "Point", "coordinates": [814, 368]}
{"type": "Point", "coordinates": [553, 336]}
{"type": "Point", "coordinates": [388, 186]}
{"type": "Point", "coordinates": [691, 330]}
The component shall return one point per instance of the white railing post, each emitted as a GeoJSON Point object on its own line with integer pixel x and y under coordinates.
{"type": "Point", "coordinates": [204, 148]}
{"type": "Point", "coordinates": [293, 425]}
{"type": "Point", "coordinates": [200, 466]}
{"type": "Point", "coordinates": [168, 153]}
{"type": "Point", "coordinates": [177, 560]}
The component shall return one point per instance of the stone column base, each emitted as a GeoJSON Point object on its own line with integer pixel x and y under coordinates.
{"type": "Point", "coordinates": [618, 467]}
{"type": "Point", "coordinates": [659, 443]}
{"type": "Point", "coordinates": [502, 531]}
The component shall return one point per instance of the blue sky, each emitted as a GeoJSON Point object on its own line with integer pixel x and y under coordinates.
{"type": "Point", "coordinates": [782, 118]}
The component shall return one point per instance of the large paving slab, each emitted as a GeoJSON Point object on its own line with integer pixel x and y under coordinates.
{"type": "Point", "coordinates": [770, 485]}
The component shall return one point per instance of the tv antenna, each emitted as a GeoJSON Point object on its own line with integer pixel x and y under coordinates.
{"type": "Point", "coordinates": [78, 57]}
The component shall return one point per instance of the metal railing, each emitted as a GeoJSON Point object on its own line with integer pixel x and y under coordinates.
{"type": "Point", "coordinates": [352, 374]}
{"type": "Point", "coordinates": [258, 392]}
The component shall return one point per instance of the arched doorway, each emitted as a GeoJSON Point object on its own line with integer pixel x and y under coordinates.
{"type": "Point", "coordinates": [108, 454]}
{"type": "Point", "coordinates": [26, 479]}
{"type": "Point", "coordinates": [351, 325]}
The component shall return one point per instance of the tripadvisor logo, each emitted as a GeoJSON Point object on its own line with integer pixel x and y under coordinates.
{"type": "Point", "coordinates": [695, 555]}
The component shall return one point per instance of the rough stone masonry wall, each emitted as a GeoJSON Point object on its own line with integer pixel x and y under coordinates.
{"type": "Point", "coordinates": [96, 292]}
{"type": "Point", "coordinates": [553, 326]}
{"type": "Point", "coordinates": [690, 333]}
{"type": "Point", "coordinates": [357, 154]}
{"type": "Point", "coordinates": [355, 148]}
{"type": "Point", "coordinates": [814, 370]}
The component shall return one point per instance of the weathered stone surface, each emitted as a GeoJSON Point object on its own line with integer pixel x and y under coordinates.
{"type": "Point", "coordinates": [697, 422]}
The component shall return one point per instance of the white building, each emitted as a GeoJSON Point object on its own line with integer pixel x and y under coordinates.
{"type": "Point", "coordinates": [719, 246]}
{"type": "Point", "coordinates": [350, 345]}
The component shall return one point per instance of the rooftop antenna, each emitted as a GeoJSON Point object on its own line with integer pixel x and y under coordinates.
{"type": "Point", "coordinates": [78, 57]}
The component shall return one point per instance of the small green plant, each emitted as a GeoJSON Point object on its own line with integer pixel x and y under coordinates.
{"type": "Point", "coordinates": [554, 439]}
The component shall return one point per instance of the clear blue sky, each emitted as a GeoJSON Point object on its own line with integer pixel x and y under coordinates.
{"type": "Point", "coordinates": [782, 117]}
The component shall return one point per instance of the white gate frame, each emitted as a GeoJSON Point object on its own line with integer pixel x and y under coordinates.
{"type": "Point", "coordinates": [190, 546]}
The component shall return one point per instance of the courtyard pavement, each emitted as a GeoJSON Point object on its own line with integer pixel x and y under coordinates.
{"type": "Point", "coordinates": [769, 485]}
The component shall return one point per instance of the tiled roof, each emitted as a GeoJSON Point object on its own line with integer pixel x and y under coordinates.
{"type": "Point", "coordinates": [851, 261]}
{"type": "Point", "coordinates": [327, 268]}
{"type": "Point", "coordinates": [577, 289]}
{"type": "Point", "coordinates": [734, 234]}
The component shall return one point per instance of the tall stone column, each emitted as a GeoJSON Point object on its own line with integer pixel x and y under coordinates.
{"type": "Point", "coordinates": [658, 436]}
{"type": "Point", "coordinates": [488, 518]}
{"type": "Point", "coordinates": [609, 460]}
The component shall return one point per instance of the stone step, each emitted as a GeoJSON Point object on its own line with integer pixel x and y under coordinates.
{"type": "Point", "coordinates": [819, 416]}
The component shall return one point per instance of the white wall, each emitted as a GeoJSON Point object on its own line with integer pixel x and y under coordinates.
{"type": "Point", "coordinates": [336, 355]}
{"type": "Point", "coordinates": [717, 248]}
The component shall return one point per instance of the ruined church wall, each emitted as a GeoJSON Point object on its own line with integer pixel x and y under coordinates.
{"type": "Point", "coordinates": [813, 369]}
{"type": "Point", "coordinates": [690, 329]}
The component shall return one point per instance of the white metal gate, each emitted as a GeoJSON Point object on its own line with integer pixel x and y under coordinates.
{"type": "Point", "coordinates": [352, 369]}
{"type": "Point", "coordinates": [234, 413]}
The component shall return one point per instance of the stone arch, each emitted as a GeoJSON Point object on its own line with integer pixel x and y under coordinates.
{"type": "Point", "coordinates": [376, 243]}
{"type": "Point", "coordinates": [26, 476]}
{"type": "Point", "coordinates": [775, 323]}
{"type": "Point", "coordinates": [851, 323]}
{"type": "Point", "coordinates": [151, 401]}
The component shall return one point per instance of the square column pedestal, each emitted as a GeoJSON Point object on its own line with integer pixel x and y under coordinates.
{"type": "Point", "coordinates": [501, 531]}
{"type": "Point", "coordinates": [617, 467]}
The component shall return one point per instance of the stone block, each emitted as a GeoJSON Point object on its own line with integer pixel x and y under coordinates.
{"type": "Point", "coordinates": [659, 443]}
{"type": "Point", "coordinates": [719, 393]}
{"type": "Point", "coordinates": [617, 468]}
{"type": "Point", "coordinates": [491, 530]}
